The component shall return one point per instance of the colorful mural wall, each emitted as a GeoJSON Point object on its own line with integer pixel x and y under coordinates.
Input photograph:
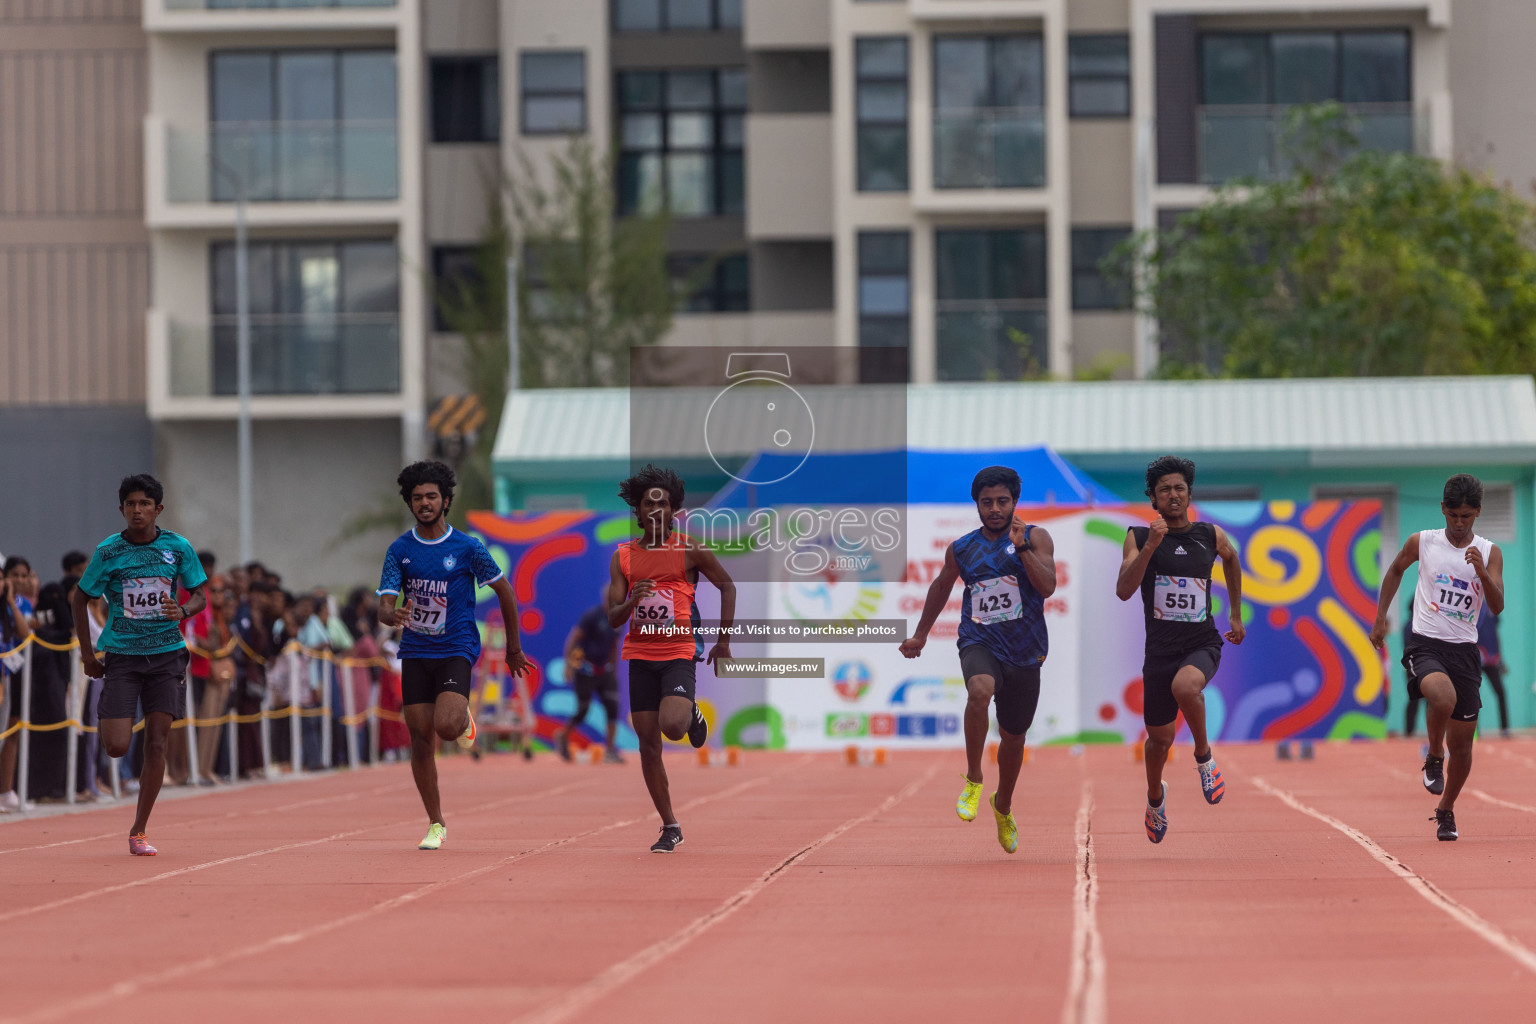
{"type": "Point", "coordinates": [1306, 668]}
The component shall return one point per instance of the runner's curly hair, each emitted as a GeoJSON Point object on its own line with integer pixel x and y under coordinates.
{"type": "Point", "coordinates": [1159, 468]}
{"type": "Point", "coordinates": [418, 473]}
{"type": "Point", "coordinates": [633, 489]}
{"type": "Point", "coordinates": [996, 476]}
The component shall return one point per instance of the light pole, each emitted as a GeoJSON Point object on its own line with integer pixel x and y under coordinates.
{"type": "Point", "coordinates": [242, 360]}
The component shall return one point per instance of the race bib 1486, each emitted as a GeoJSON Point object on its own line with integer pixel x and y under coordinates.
{"type": "Point", "coordinates": [141, 597]}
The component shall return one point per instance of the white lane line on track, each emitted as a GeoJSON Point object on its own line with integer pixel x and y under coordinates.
{"type": "Point", "coordinates": [131, 986]}
{"type": "Point", "coordinates": [1499, 750]}
{"type": "Point", "coordinates": [11, 915]}
{"type": "Point", "coordinates": [1086, 998]}
{"type": "Point", "coordinates": [584, 994]}
{"type": "Point", "coordinates": [213, 818]}
{"type": "Point", "coordinates": [1463, 915]}
{"type": "Point", "coordinates": [1480, 794]}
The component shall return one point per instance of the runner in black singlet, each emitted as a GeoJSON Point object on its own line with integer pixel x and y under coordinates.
{"type": "Point", "coordinates": [1169, 563]}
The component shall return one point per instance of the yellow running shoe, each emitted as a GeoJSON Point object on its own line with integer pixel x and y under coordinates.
{"type": "Point", "coordinates": [467, 737]}
{"type": "Point", "coordinates": [969, 798]}
{"type": "Point", "coordinates": [1007, 828]}
{"type": "Point", "coordinates": [435, 836]}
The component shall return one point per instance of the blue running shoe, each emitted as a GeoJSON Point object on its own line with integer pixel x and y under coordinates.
{"type": "Point", "coordinates": [1211, 783]}
{"type": "Point", "coordinates": [1157, 818]}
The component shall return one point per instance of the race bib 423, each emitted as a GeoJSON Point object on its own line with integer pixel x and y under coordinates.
{"type": "Point", "coordinates": [995, 600]}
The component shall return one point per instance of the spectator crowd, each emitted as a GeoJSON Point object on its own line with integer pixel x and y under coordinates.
{"type": "Point", "coordinates": [240, 664]}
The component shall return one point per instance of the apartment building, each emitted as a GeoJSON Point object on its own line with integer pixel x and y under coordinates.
{"type": "Point", "coordinates": [938, 174]}
{"type": "Point", "coordinates": [74, 271]}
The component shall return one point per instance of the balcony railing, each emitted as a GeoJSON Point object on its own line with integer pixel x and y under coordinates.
{"type": "Point", "coordinates": [1245, 141]}
{"type": "Point", "coordinates": [989, 148]}
{"type": "Point", "coordinates": [338, 354]}
{"type": "Point", "coordinates": [247, 5]}
{"type": "Point", "coordinates": [293, 161]}
{"type": "Point", "coordinates": [981, 339]}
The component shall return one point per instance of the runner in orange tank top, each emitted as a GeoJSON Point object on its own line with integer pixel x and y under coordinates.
{"type": "Point", "coordinates": [651, 586]}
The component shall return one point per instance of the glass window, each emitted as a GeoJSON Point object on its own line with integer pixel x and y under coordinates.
{"type": "Point", "coordinates": [681, 136]}
{"type": "Point", "coordinates": [1366, 66]}
{"type": "Point", "coordinates": [1099, 76]}
{"type": "Point", "coordinates": [455, 270]}
{"type": "Point", "coordinates": [324, 317]}
{"type": "Point", "coordinates": [554, 93]}
{"type": "Point", "coordinates": [243, 87]}
{"type": "Point", "coordinates": [304, 124]}
{"type": "Point", "coordinates": [881, 86]}
{"type": "Point", "coordinates": [885, 289]}
{"type": "Point", "coordinates": [676, 15]}
{"type": "Point", "coordinates": [1375, 67]}
{"type": "Point", "coordinates": [1234, 69]}
{"type": "Point", "coordinates": [466, 99]}
{"type": "Point", "coordinates": [637, 15]}
{"type": "Point", "coordinates": [988, 119]}
{"type": "Point", "coordinates": [1090, 288]}
{"type": "Point", "coordinates": [705, 284]}
{"type": "Point", "coordinates": [990, 314]}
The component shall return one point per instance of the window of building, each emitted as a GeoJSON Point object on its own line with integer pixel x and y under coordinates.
{"type": "Point", "coordinates": [991, 312]}
{"type": "Point", "coordinates": [706, 284]}
{"type": "Point", "coordinates": [1282, 68]}
{"type": "Point", "coordinates": [554, 93]}
{"type": "Point", "coordinates": [988, 111]}
{"type": "Point", "coordinates": [455, 280]}
{"type": "Point", "coordinates": [324, 317]}
{"type": "Point", "coordinates": [676, 15]}
{"type": "Point", "coordinates": [1091, 288]}
{"type": "Point", "coordinates": [681, 135]}
{"type": "Point", "coordinates": [1099, 75]}
{"type": "Point", "coordinates": [881, 70]}
{"type": "Point", "coordinates": [466, 99]}
{"type": "Point", "coordinates": [885, 288]}
{"type": "Point", "coordinates": [304, 125]}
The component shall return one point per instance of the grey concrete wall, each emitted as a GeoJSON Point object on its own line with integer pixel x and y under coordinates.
{"type": "Point", "coordinates": [1492, 81]}
{"type": "Point", "coordinates": [311, 478]}
{"type": "Point", "coordinates": [61, 468]}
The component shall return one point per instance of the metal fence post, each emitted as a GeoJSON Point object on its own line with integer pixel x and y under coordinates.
{"type": "Point", "coordinates": [295, 733]}
{"type": "Point", "coordinates": [24, 747]}
{"type": "Point", "coordinates": [191, 731]}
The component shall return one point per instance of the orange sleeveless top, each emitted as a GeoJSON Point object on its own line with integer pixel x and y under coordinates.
{"type": "Point", "coordinates": [670, 603]}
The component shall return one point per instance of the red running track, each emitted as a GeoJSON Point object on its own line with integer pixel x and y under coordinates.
{"type": "Point", "coordinates": [806, 890]}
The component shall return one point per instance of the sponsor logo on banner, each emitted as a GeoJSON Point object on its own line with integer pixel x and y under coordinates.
{"type": "Point", "coordinates": [928, 690]}
{"type": "Point", "coordinates": [851, 680]}
{"type": "Point", "coordinates": [949, 724]}
{"type": "Point", "coordinates": [917, 725]}
{"type": "Point", "coordinates": [881, 724]}
{"type": "Point", "coordinates": [821, 601]}
{"type": "Point", "coordinates": [847, 725]}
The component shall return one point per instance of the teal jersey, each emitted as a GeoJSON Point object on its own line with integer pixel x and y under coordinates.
{"type": "Point", "coordinates": [132, 577]}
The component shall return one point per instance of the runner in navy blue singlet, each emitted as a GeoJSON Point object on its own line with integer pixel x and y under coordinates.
{"type": "Point", "coordinates": [1009, 569]}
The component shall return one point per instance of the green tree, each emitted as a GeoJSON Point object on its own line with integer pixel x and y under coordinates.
{"type": "Point", "coordinates": [589, 288]}
{"type": "Point", "coordinates": [1355, 263]}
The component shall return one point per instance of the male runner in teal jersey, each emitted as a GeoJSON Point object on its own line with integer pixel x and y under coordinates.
{"type": "Point", "coordinates": [146, 657]}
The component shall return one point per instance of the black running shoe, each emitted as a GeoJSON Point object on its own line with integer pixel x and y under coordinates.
{"type": "Point", "coordinates": [1445, 825]}
{"type": "Point", "coordinates": [1434, 775]}
{"type": "Point", "coordinates": [672, 837]}
{"type": "Point", "coordinates": [565, 747]}
{"type": "Point", "coordinates": [698, 729]}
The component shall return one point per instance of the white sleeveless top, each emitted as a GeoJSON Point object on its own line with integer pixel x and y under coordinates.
{"type": "Point", "coordinates": [1449, 596]}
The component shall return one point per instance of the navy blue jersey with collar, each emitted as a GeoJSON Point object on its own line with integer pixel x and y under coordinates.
{"type": "Point", "coordinates": [436, 579]}
{"type": "Point", "coordinates": [1001, 609]}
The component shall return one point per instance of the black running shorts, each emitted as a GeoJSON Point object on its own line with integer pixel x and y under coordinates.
{"type": "Point", "coordinates": [649, 681]}
{"type": "Point", "coordinates": [604, 685]}
{"type": "Point", "coordinates": [1423, 656]}
{"type": "Point", "coordinates": [1016, 688]}
{"type": "Point", "coordinates": [422, 679]}
{"type": "Point", "coordinates": [157, 680]}
{"type": "Point", "coordinates": [1157, 672]}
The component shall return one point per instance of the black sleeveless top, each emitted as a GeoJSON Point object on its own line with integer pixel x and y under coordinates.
{"type": "Point", "coordinates": [1176, 591]}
